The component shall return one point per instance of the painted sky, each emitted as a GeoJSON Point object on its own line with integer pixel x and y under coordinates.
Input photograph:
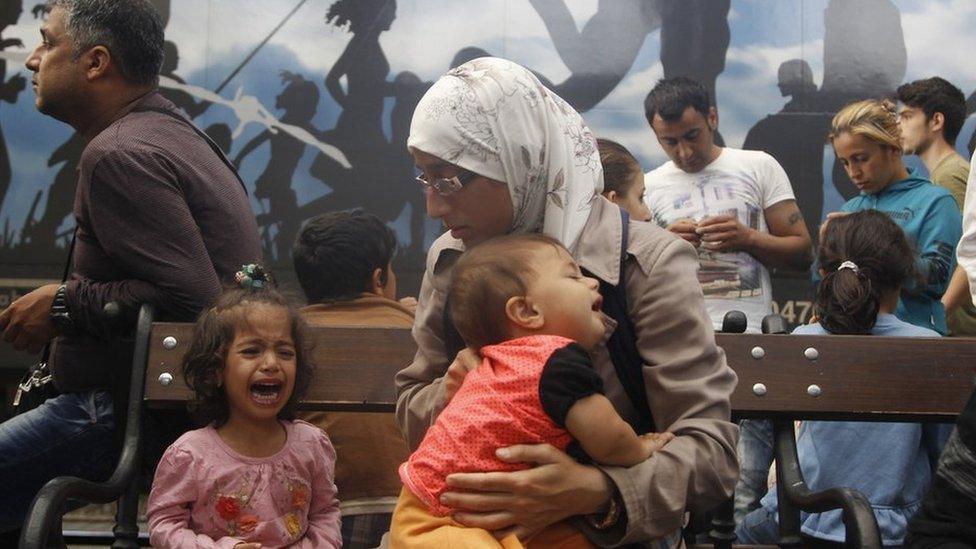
{"type": "Point", "coordinates": [215, 35]}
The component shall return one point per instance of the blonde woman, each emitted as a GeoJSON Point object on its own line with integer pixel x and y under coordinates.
{"type": "Point", "coordinates": [866, 140]}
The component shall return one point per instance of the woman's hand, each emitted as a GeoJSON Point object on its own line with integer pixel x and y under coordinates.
{"type": "Point", "coordinates": [526, 502]}
{"type": "Point", "coordinates": [465, 361]}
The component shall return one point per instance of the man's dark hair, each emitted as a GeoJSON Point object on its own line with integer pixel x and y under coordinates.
{"type": "Point", "coordinates": [336, 254]}
{"type": "Point", "coordinates": [671, 96]}
{"type": "Point", "coordinates": [934, 95]}
{"type": "Point", "coordinates": [130, 29]}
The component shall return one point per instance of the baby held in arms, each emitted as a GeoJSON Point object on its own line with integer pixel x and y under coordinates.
{"type": "Point", "coordinates": [523, 302]}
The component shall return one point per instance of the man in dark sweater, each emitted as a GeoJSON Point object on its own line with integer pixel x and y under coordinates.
{"type": "Point", "coordinates": [162, 218]}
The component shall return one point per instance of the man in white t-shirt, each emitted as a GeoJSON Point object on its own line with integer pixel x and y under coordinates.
{"type": "Point", "coordinates": [735, 206]}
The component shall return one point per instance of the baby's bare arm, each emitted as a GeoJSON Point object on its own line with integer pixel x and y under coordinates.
{"type": "Point", "coordinates": [606, 437]}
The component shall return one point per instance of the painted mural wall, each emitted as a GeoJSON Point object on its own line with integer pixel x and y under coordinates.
{"type": "Point", "coordinates": [312, 99]}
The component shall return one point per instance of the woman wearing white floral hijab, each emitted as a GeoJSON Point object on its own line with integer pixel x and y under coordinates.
{"type": "Point", "coordinates": [501, 154]}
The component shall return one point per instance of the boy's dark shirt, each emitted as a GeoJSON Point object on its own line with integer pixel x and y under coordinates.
{"type": "Point", "coordinates": [161, 219]}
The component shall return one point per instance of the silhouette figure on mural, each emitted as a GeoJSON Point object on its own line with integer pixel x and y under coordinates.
{"type": "Point", "coordinates": [970, 109]}
{"type": "Point", "coordinates": [857, 64]}
{"type": "Point", "coordinates": [795, 137]}
{"type": "Point", "coordinates": [694, 38]}
{"type": "Point", "coordinates": [9, 89]}
{"type": "Point", "coordinates": [182, 99]}
{"type": "Point", "coordinates": [42, 236]}
{"type": "Point", "coordinates": [221, 134]}
{"type": "Point", "coordinates": [359, 129]}
{"type": "Point", "coordinates": [299, 100]}
{"type": "Point", "coordinates": [600, 54]}
{"type": "Point", "coordinates": [380, 168]}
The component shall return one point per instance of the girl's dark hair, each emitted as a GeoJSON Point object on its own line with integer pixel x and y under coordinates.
{"type": "Point", "coordinates": [213, 334]}
{"type": "Point", "coordinates": [848, 299]}
{"type": "Point", "coordinates": [619, 166]}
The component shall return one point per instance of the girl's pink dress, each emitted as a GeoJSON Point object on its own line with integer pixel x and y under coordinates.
{"type": "Point", "coordinates": [207, 495]}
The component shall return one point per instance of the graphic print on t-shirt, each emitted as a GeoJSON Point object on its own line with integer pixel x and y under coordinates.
{"type": "Point", "coordinates": [722, 275]}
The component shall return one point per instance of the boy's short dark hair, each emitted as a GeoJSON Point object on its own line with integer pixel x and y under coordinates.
{"type": "Point", "coordinates": [483, 281]}
{"type": "Point", "coordinates": [934, 95]}
{"type": "Point", "coordinates": [336, 254]}
{"type": "Point", "coordinates": [671, 96]}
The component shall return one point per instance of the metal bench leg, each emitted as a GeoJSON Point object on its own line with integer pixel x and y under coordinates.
{"type": "Point", "coordinates": [789, 514]}
{"type": "Point", "coordinates": [722, 533]}
{"type": "Point", "coordinates": [55, 538]}
{"type": "Point", "coordinates": [126, 528]}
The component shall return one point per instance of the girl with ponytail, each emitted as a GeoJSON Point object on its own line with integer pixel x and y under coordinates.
{"type": "Point", "coordinates": [865, 259]}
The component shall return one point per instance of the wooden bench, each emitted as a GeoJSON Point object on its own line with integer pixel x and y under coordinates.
{"type": "Point", "coordinates": [784, 378]}
{"type": "Point", "coordinates": [856, 378]}
{"type": "Point", "coordinates": [374, 354]}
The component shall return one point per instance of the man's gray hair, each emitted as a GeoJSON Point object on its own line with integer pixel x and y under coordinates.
{"type": "Point", "coordinates": [130, 29]}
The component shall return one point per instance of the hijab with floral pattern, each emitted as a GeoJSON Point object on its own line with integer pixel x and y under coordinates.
{"type": "Point", "coordinates": [493, 117]}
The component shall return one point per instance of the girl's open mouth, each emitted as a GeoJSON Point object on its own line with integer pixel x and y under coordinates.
{"type": "Point", "coordinates": [266, 393]}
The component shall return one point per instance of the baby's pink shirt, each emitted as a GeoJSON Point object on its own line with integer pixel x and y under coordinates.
{"type": "Point", "coordinates": [207, 495]}
{"type": "Point", "coordinates": [498, 405]}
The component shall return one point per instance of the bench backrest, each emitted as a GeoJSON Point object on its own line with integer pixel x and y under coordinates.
{"type": "Point", "coordinates": [354, 367]}
{"type": "Point", "coordinates": [801, 377]}
{"type": "Point", "coordinates": [850, 377]}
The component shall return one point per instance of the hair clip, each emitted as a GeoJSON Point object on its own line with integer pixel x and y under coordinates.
{"type": "Point", "coordinates": [253, 276]}
{"type": "Point", "coordinates": [849, 265]}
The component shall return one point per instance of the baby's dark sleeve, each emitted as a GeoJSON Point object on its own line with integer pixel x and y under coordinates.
{"type": "Point", "coordinates": [567, 376]}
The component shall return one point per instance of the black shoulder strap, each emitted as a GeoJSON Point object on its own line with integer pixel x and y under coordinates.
{"type": "Point", "coordinates": [622, 344]}
{"type": "Point", "coordinates": [453, 342]}
{"type": "Point", "coordinates": [216, 148]}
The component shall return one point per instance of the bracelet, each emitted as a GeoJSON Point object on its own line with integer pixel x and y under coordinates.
{"type": "Point", "coordinates": [612, 516]}
{"type": "Point", "coordinates": [60, 315]}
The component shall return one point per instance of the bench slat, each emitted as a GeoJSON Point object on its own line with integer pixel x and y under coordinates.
{"type": "Point", "coordinates": [860, 377]}
{"type": "Point", "coordinates": [354, 371]}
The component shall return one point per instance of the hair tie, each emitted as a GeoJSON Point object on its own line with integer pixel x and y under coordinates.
{"type": "Point", "coordinates": [849, 265]}
{"type": "Point", "coordinates": [253, 276]}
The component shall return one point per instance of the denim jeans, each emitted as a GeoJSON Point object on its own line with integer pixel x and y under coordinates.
{"type": "Point", "coordinates": [760, 527]}
{"type": "Point", "coordinates": [755, 451]}
{"type": "Point", "coordinates": [71, 434]}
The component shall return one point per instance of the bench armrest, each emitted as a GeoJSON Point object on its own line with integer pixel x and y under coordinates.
{"type": "Point", "coordinates": [48, 505]}
{"type": "Point", "coordinates": [794, 496]}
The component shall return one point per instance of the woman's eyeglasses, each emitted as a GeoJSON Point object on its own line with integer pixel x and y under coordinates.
{"type": "Point", "coordinates": [446, 186]}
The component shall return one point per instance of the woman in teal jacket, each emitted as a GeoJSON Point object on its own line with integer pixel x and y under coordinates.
{"type": "Point", "coordinates": [865, 137]}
